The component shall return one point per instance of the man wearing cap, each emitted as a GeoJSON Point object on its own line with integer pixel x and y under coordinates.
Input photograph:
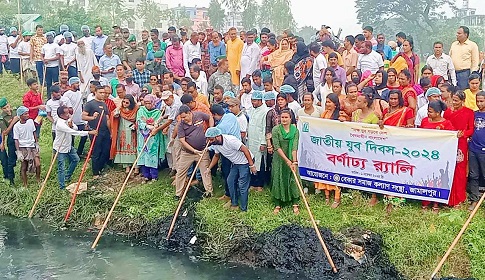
{"type": "Point", "coordinates": [132, 53]}
{"type": "Point", "coordinates": [157, 66]}
{"type": "Point", "coordinates": [290, 98]}
{"type": "Point", "coordinates": [119, 45]}
{"type": "Point", "coordinates": [241, 165]}
{"type": "Point", "coordinates": [431, 94]}
{"type": "Point", "coordinates": [250, 56]}
{"type": "Point", "coordinates": [85, 61]}
{"type": "Point", "coordinates": [99, 41]}
{"type": "Point", "coordinates": [116, 33]}
{"type": "Point", "coordinates": [86, 38]}
{"type": "Point", "coordinates": [221, 77]}
{"type": "Point", "coordinates": [175, 58]}
{"type": "Point", "coordinates": [52, 104]}
{"type": "Point", "coordinates": [3, 50]}
{"type": "Point", "coordinates": [125, 32]}
{"type": "Point", "coordinates": [60, 39]}
{"type": "Point", "coordinates": [68, 55]}
{"type": "Point", "coordinates": [257, 137]}
{"type": "Point", "coordinates": [269, 99]}
{"type": "Point", "coordinates": [75, 98]}
{"type": "Point", "coordinates": [8, 156]}
{"type": "Point", "coordinates": [27, 67]}
{"type": "Point", "coordinates": [26, 143]}
{"type": "Point", "coordinates": [234, 50]}
{"type": "Point", "coordinates": [51, 54]}
{"type": "Point", "coordinates": [145, 42]}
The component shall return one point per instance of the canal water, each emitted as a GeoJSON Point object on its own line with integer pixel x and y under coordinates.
{"type": "Point", "coordinates": [30, 249]}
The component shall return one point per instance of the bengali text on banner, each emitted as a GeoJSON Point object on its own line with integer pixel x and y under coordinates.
{"type": "Point", "coordinates": [404, 162]}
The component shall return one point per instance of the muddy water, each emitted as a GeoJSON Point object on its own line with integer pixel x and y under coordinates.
{"type": "Point", "coordinates": [31, 250]}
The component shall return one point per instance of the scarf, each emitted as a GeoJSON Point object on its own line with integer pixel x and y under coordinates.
{"type": "Point", "coordinates": [290, 135]}
{"type": "Point", "coordinates": [279, 57]}
{"type": "Point", "coordinates": [115, 123]}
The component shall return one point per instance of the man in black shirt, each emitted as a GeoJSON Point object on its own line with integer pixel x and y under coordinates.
{"type": "Point", "coordinates": [91, 113]}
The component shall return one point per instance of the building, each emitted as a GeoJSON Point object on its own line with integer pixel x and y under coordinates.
{"type": "Point", "coordinates": [198, 17]}
{"type": "Point", "coordinates": [233, 19]}
{"type": "Point", "coordinates": [29, 21]}
{"type": "Point", "coordinates": [469, 17]}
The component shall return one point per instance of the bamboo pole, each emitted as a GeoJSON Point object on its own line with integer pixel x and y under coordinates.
{"type": "Point", "coordinates": [73, 200]}
{"type": "Point", "coordinates": [100, 233]}
{"type": "Point", "coordinates": [20, 34]}
{"type": "Point", "coordinates": [319, 235]}
{"type": "Point", "coordinates": [41, 190]}
{"type": "Point", "coordinates": [44, 67]}
{"type": "Point", "coordinates": [457, 238]}
{"type": "Point", "coordinates": [186, 190]}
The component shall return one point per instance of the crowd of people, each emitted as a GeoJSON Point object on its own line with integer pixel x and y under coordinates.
{"type": "Point", "coordinates": [167, 99]}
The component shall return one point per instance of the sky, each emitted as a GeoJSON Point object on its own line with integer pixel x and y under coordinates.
{"type": "Point", "coordinates": [318, 14]}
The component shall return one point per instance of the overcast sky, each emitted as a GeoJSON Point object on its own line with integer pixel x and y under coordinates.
{"type": "Point", "coordinates": [319, 14]}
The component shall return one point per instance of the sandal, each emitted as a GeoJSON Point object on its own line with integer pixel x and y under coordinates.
{"type": "Point", "coordinates": [276, 210]}
{"type": "Point", "coordinates": [327, 201]}
{"type": "Point", "coordinates": [296, 210]}
{"type": "Point", "coordinates": [335, 204]}
{"type": "Point", "coordinates": [436, 210]}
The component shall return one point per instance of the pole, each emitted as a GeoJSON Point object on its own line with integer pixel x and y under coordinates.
{"type": "Point", "coordinates": [319, 235]}
{"type": "Point", "coordinates": [100, 233]}
{"type": "Point", "coordinates": [73, 200]}
{"type": "Point", "coordinates": [20, 34]}
{"type": "Point", "coordinates": [186, 190]}
{"type": "Point", "coordinates": [43, 80]}
{"type": "Point", "coordinates": [457, 238]}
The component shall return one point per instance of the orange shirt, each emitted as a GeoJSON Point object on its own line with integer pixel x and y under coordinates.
{"type": "Point", "coordinates": [36, 43]}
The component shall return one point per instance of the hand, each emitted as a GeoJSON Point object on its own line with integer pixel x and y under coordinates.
{"type": "Point", "coordinates": [2, 147]}
{"type": "Point", "coordinates": [15, 119]}
{"type": "Point", "coordinates": [81, 79]}
{"type": "Point", "coordinates": [293, 167]}
{"type": "Point", "coordinates": [270, 149]}
{"type": "Point", "coordinates": [238, 72]}
{"type": "Point", "coordinates": [93, 132]}
{"type": "Point", "coordinates": [459, 134]}
{"type": "Point", "coordinates": [69, 123]}
{"type": "Point", "coordinates": [150, 127]}
{"type": "Point", "coordinates": [381, 124]}
{"type": "Point", "coordinates": [165, 131]}
{"type": "Point", "coordinates": [41, 107]}
{"type": "Point", "coordinates": [20, 156]}
{"type": "Point", "coordinates": [197, 152]}
{"type": "Point", "coordinates": [289, 163]}
{"type": "Point", "coordinates": [95, 115]}
{"type": "Point", "coordinates": [371, 77]}
{"type": "Point", "coordinates": [262, 148]}
{"type": "Point", "coordinates": [37, 147]}
{"type": "Point", "coordinates": [207, 172]}
{"type": "Point", "coordinates": [153, 132]}
{"type": "Point", "coordinates": [253, 169]}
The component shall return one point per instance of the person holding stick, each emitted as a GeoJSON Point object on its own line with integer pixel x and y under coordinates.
{"type": "Point", "coordinates": [241, 165]}
{"type": "Point", "coordinates": [75, 97]}
{"type": "Point", "coordinates": [91, 114]}
{"type": "Point", "coordinates": [8, 157]}
{"type": "Point", "coordinates": [65, 130]}
{"type": "Point", "coordinates": [26, 143]}
{"type": "Point", "coordinates": [285, 143]}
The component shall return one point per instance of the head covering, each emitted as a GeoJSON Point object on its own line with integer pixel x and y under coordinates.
{"type": "Point", "coordinates": [221, 58]}
{"type": "Point", "coordinates": [22, 110]}
{"type": "Point", "coordinates": [151, 98]}
{"type": "Point", "coordinates": [115, 26]}
{"type": "Point", "coordinates": [3, 102]}
{"type": "Point", "coordinates": [212, 132]}
{"type": "Point", "coordinates": [159, 54]}
{"type": "Point", "coordinates": [257, 95]}
{"type": "Point", "coordinates": [2, 28]}
{"type": "Point", "coordinates": [124, 30]}
{"type": "Point", "coordinates": [270, 95]}
{"type": "Point", "coordinates": [392, 44]}
{"type": "Point", "coordinates": [433, 91]}
{"type": "Point", "coordinates": [84, 27]}
{"type": "Point", "coordinates": [149, 87]}
{"type": "Point", "coordinates": [13, 29]}
{"type": "Point", "coordinates": [233, 102]}
{"type": "Point", "coordinates": [63, 28]}
{"type": "Point", "coordinates": [50, 33]}
{"type": "Point", "coordinates": [382, 85]}
{"type": "Point", "coordinates": [166, 94]}
{"type": "Point", "coordinates": [118, 36]}
{"type": "Point", "coordinates": [74, 80]}
{"type": "Point", "coordinates": [229, 94]}
{"type": "Point", "coordinates": [301, 52]}
{"type": "Point", "coordinates": [287, 89]}
{"type": "Point", "coordinates": [68, 34]}
{"type": "Point", "coordinates": [132, 38]}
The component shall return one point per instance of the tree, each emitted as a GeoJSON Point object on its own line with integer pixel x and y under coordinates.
{"type": "Point", "coordinates": [74, 17]}
{"type": "Point", "coordinates": [114, 9]}
{"type": "Point", "coordinates": [307, 32]}
{"type": "Point", "coordinates": [278, 15]}
{"type": "Point", "coordinates": [216, 14]}
{"type": "Point", "coordinates": [150, 12]}
{"type": "Point", "coordinates": [250, 15]}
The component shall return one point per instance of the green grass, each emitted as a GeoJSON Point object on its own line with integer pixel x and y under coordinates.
{"type": "Point", "coordinates": [414, 240]}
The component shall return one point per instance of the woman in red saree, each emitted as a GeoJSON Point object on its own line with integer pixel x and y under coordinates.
{"type": "Point", "coordinates": [397, 114]}
{"type": "Point", "coordinates": [463, 120]}
{"type": "Point", "coordinates": [408, 92]}
{"type": "Point", "coordinates": [435, 121]}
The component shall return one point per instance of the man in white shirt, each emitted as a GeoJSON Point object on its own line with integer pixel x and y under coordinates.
{"type": "Point", "coordinates": [75, 97]}
{"type": "Point", "coordinates": [60, 39]}
{"type": "Point", "coordinates": [87, 38]}
{"type": "Point", "coordinates": [250, 56]}
{"type": "Point", "coordinates": [13, 43]}
{"type": "Point", "coordinates": [289, 91]}
{"type": "Point", "coordinates": [68, 55]}
{"type": "Point", "coordinates": [245, 94]}
{"type": "Point", "coordinates": [52, 104]}
{"type": "Point", "coordinates": [242, 165]}
{"type": "Point", "coordinates": [3, 50]}
{"type": "Point", "coordinates": [319, 63]}
{"type": "Point", "coordinates": [369, 59]}
{"type": "Point", "coordinates": [235, 107]}
{"type": "Point", "coordinates": [28, 69]}
{"type": "Point", "coordinates": [431, 94]}
{"type": "Point", "coordinates": [108, 62]}
{"type": "Point", "coordinates": [198, 79]}
{"type": "Point", "coordinates": [191, 50]}
{"type": "Point", "coordinates": [442, 64]}
{"type": "Point", "coordinates": [51, 54]}
{"type": "Point", "coordinates": [66, 130]}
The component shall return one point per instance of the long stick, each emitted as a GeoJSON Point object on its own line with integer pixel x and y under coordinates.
{"type": "Point", "coordinates": [41, 190]}
{"type": "Point", "coordinates": [186, 190]}
{"type": "Point", "coordinates": [100, 233]}
{"type": "Point", "coordinates": [73, 200]}
{"type": "Point", "coordinates": [19, 31]}
{"type": "Point", "coordinates": [457, 238]}
{"type": "Point", "coordinates": [319, 235]}
{"type": "Point", "coordinates": [43, 80]}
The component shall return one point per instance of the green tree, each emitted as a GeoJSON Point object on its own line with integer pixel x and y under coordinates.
{"type": "Point", "coordinates": [216, 14]}
{"type": "Point", "coordinates": [307, 32]}
{"type": "Point", "coordinates": [8, 14]}
{"type": "Point", "coordinates": [250, 15]}
{"type": "Point", "coordinates": [150, 12]}
{"type": "Point", "coordinates": [278, 15]}
{"type": "Point", "coordinates": [74, 17]}
{"type": "Point", "coordinates": [115, 10]}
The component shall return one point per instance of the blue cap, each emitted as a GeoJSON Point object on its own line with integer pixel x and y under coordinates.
{"type": "Point", "coordinates": [50, 33]}
{"type": "Point", "coordinates": [13, 29]}
{"type": "Point", "coordinates": [229, 94]}
{"type": "Point", "coordinates": [63, 28]}
{"type": "Point", "coordinates": [433, 91]}
{"type": "Point", "coordinates": [287, 89]}
{"type": "Point", "coordinates": [22, 110]}
{"type": "Point", "coordinates": [257, 95]}
{"type": "Point", "coordinates": [212, 132]}
{"type": "Point", "coordinates": [270, 95]}
{"type": "Point", "coordinates": [84, 27]}
{"type": "Point", "coordinates": [67, 34]}
{"type": "Point", "coordinates": [74, 80]}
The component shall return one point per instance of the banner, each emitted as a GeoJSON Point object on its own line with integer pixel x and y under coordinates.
{"type": "Point", "coordinates": [404, 162]}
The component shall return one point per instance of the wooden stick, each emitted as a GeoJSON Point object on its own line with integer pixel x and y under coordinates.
{"type": "Point", "coordinates": [41, 190]}
{"type": "Point", "coordinates": [100, 233]}
{"type": "Point", "coordinates": [83, 170]}
{"type": "Point", "coordinates": [19, 33]}
{"type": "Point", "coordinates": [457, 238]}
{"type": "Point", "coordinates": [186, 190]}
{"type": "Point", "coordinates": [43, 81]}
{"type": "Point", "coordinates": [319, 235]}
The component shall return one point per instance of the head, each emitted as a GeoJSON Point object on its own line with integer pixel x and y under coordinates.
{"type": "Point", "coordinates": [447, 91]}
{"type": "Point", "coordinates": [289, 68]}
{"type": "Point", "coordinates": [217, 112]}
{"type": "Point", "coordinates": [308, 100]}
{"type": "Point", "coordinates": [352, 91]}
{"type": "Point", "coordinates": [381, 39]}
{"type": "Point", "coordinates": [85, 30]}
{"type": "Point", "coordinates": [281, 100]}
{"type": "Point", "coordinates": [425, 83]}
{"type": "Point", "coordinates": [50, 37]}
{"type": "Point", "coordinates": [218, 93]}
{"type": "Point", "coordinates": [474, 82]}
{"type": "Point", "coordinates": [250, 37]}
{"type": "Point", "coordinates": [391, 75]}
{"type": "Point", "coordinates": [184, 82]}
{"type": "Point", "coordinates": [315, 49]}
{"type": "Point", "coordinates": [55, 92]}
{"type": "Point", "coordinates": [328, 46]}
{"type": "Point", "coordinates": [427, 71]}
{"type": "Point", "coordinates": [481, 101]}
{"type": "Point", "coordinates": [168, 77]}
{"type": "Point", "coordinates": [400, 37]}
{"type": "Point", "coordinates": [329, 75]}
{"type": "Point", "coordinates": [223, 65]}
{"type": "Point", "coordinates": [108, 49]}
{"type": "Point", "coordinates": [194, 38]}
{"type": "Point", "coordinates": [99, 93]}
{"type": "Point", "coordinates": [98, 30]}
{"type": "Point", "coordinates": [128, 102]}
{"type": "Point", "coordinates": [356, 76]}
{"type": "Point", "coordinates": [39, 30]}
{"type": "Point", "coordinates": [32, 84]}
{"type": "Point", "coordinates": [349, 41]}
{"type": "Point", "coordinates": [192, 89]}
{"type": "Point", "coordinates": [395, 99]}
{"type": "Point", "coordinates": [74, 83]}
{"type": "Point", "coordinates": [404, 78]}
{"type": "Point", "coordinates": [462, 34]}
{"type": "Point", "coordinates": [333, 60]}
{"type": "Point", "coordinates": [185, 114]}
{"type": "Point", "coordinates": [438, 49]}
{"type": "Point", "coordinates": [232, 33]}
{"type": "Point", "coordinates": [156, 45]}
{"type": "Point", "coordinates": [367, 32]}
{"type": "Point", "coordinates": [366, 47]}
{"type": "Point", "coordinates": [285, 116]}
{"type": "Point", "coordinates": [171, 30]}
{"type": "Point", "coordinates": [257, 99]}
{"type": "Point", "coordinates": [332, 103]}
{"type": "Point", "coordinates": [268, 83]}
{"type": "Point", "coordinates": [176, 42]}
{"type": "Point", "coordinates": [458, 99]}
{"type": "Point", "coordinates": [336, 86]}
{"type": "Point", "coordinates": [407, 45]}
{"type": "Point", "coordinates": [5, 106]}
{"type": "Point", "coordinates": [107, 92]}
{"type": "Point", "coordinates": [359, 40]}
{"type": "Point", "coordinates": [242, 35]}
{"type": "Point", "coordinates": [256, 76]}
{"type": "Point", "coordinates": [435, 108]}
{"type": "Point", "coordinates": [433, 94]}
{"type": "Point", "coordinates": [264, 38]}
{"type": "Point", "coordinates": [120, 71]}
{"type": "Point", "coordinates": [120, 91]}
{"type": "Point", "coordinates": [153, 79]}
{"type": "Point", "coordinates": [366, 100]}
{"type": "Point", "coordinates": [246, 85]}
{"type": "Point", "coordinates": [63, 77]}
{"type": "Point", "coordinates": [194, 71]}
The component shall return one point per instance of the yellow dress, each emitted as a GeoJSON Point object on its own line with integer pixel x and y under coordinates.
{"type": "Point", "coordinates": [234, 50]}
{"type": "Point", "coordinates": [470, 100]}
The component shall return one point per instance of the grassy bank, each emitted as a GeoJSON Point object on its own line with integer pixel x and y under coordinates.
{"type": "Point", "coordinates": [414, 240]}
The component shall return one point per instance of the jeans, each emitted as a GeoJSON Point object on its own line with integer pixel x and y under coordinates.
{"type": "Point", "coordinates": [39, 67]}
{"type": "Point", "coordinates": [82, 141]}
{"type": "Point", "coordinates": [73, 160]}
{"type": "Point", "coordinates": [71, 71]}
{"type": "Point", "coordinates": [476, 164]}
{"type": "Point", "coordinates": [197, 175]}
{"type": "Point", "coordinates": [100, 153]}
{"type": "Point", "coordinates": [15, 65]}
{"type": "Point", "coordinates": [462, 79]}
{"type": "Point", "coordinates": [51, 76]}
{"type": "Point", "coordinates": [4, 161]}
{"type": "Point", "coordinates": [226, 169]}
{"type": "Point", "coordinates": [260, 177]}
{"type": "Point", "coordinates": [238, 181]}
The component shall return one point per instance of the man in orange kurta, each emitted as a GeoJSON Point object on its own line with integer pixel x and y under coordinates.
{"type": "Point", "coordinates": [234, 50]}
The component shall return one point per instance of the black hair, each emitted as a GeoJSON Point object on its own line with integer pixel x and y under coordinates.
{"type": "Point", "coordinates": [154, 30]}
{"type": "Point", "coordinates": [329, 44]}
{"type": "Point", "coordinates": [426, 67]}
{"type": "Point", "coordinates": [401, 35]}
{"type": "Point", "coordinates": [61, 109]}
{"type": "Point", "coordinates": [195, 67]}
{"type": "Point", "coordinates": [272, 42]}
{"type": "Point", "coordinates": [333, 55]}
{"type": "Point", "coordinates": [315, 47]}
{"type": "Point", "coordinates": [350, 38]}
{"type": "Point", "coordinates": [55, 88]}
{"type": "Point", "coordinates": [140, 59]}
{"type": "Point", "coordinates": [325, 73]}
{"type": "Point", "coordinates": [191, 84]}
{"type": "Point", "coordinates": [195, 60]}
{"type": "Point", "coordinates": [219, 87]}
{"type": "Point", "coordinates": [359, 37]}
{"type": "Point", "coordinates": [186, 98]}
{"type": "Point", "coordinates": [268, 79]}
{"type": "Point", "coordinates": [399, 96]}
{"type": "Point", "coordinates": [217, 109]}
{"type": "Point", "coordinates": [349, 85]}
{"type": "Point", "coordinates": [406, 73]}
{"type": "Point", "coordinates": [290, 67]}
{"type": "Point", "coordinates": [460, 94]}
{"type": "Point", "coordinates": [335, 100]}
{"type": "Point", "coordinates": [466, 30]}
{"type": "Point", "coordinates": [184, 109]}
{"type": "Point", "coordinates": [245, 80]}
{"type": "Point", "coordinates": [95, 83]}
{"type": "Point", "coordinates": [424, 82]}
{"type": "Point", "coordinates": [438, 43]}
{"type": "Point", "coordinates": [437, 105]}
{"type": "Point", "coordinates": [473, 76]}
{"type": "Point", "coordinates": [449, 87]}
{"type": "Point", "coordinates": [132, 101]}
{"type": "Point", "coordinates": [257, 73]}
{"type": "Point", "coordinates": [368, 28]}
{"type": "Point", "coordinates": [337, 80]}
{"type": "Point", "coordinates": [31, 81]}
{"type": "Point", "coordinates": [370, 95]}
